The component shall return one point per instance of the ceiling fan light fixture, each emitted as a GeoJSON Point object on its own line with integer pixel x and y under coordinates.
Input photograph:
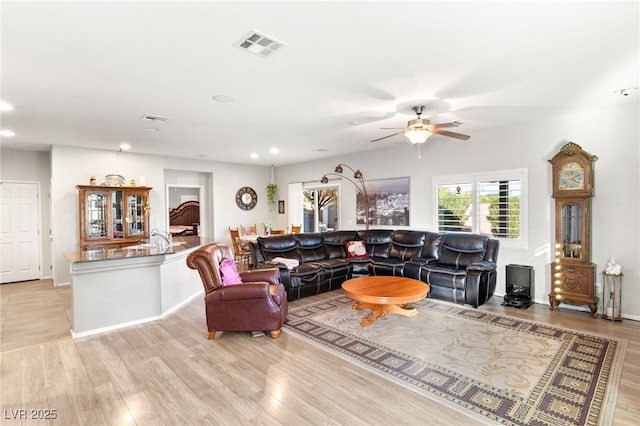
{"type": "Point", "coordinates": [417, 136]}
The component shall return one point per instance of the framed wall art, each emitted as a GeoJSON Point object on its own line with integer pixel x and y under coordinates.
{"type": "Point", "coordinates": [389, 202]}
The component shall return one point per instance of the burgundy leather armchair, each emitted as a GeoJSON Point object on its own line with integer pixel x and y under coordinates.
{"type": "Point", "coordinates": [258, 304]}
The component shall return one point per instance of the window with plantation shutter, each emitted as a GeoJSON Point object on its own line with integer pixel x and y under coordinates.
{"type": "Point", "coordinates": [488, 203]}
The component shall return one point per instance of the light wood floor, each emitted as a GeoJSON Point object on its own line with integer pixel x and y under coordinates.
{"type": "Point", "coordinates": [167, 372]}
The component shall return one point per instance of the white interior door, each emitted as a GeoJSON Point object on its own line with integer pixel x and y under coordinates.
{"type": "Point", "coordinates": [19, 232]}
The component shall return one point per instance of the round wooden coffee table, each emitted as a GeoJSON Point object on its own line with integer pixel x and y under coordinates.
{"type": "Point", "coordinates": [385, 295]}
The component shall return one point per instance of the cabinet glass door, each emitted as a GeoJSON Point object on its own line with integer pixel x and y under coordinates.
{"type": "Point", "coordinates": [96, 215]}
{"type": "Point", "coordinates": [135, 211]}
{"type": "Point", "coordinates": [571, 231]}
{"type": "Point", "coordinates": [116, 206]}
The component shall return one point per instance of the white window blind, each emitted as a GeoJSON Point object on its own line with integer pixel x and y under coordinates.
{"type": "Point", "coordinates": [489, 203]}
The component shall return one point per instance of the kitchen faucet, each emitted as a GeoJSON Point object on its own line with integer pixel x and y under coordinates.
{"type": "Point", "coordinates": [164, 235]}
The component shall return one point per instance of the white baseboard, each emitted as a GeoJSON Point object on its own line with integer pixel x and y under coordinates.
{"type": "Point", "coordinates": [136, 322]}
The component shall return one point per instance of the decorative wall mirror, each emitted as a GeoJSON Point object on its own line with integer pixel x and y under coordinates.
{"type": "Point", "coordinates": [246, 198]}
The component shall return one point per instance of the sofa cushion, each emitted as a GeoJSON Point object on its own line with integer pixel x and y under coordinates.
{"type": "Point", "coordinates": [278, 246]}
{"type": "Point", "coordinates": [432, 243]}
{"type": "Point", "coordinates": [334, 267]}
{"type": "Point", "coordinates": [356, 249]}
{"type": "Point", "coordinates": [377, 241]}
{"type": "Point", "coordinates": [462, 249]}
{"type": "Point", "coordinates": [307, 273]}
{"type": "Point", "coordinates": [310, 247]}
{"type": "Point", "coordinates": [334, 243]}
{"type": "Point", "coordinates": [359, 266]}
{"type": "Point", "coordinates": [406, 244]}
{"type": "Point", "coordinates": [439, 275]}
{"type": "Point", "coordinates": [387, 266]}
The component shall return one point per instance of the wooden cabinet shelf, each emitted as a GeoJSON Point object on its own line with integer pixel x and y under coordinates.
{"type": "Point", "coordinates": [112, 216]}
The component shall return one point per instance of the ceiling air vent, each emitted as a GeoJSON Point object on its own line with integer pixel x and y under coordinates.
{"type": "Point", "coordinates": [260, 44]}
{"type": "Point", "coordinates": [155, 118]}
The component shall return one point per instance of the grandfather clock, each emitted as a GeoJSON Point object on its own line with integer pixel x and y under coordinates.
{"type": "Point", "coordinates": [572, 273]}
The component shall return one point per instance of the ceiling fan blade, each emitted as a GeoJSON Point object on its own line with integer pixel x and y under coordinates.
{"type": "Point", "coordinates": [388, 136]}
{"type": "Point", "coordinates": [440, 125]}
{"type": "Point", "coordinates": [451, 134]}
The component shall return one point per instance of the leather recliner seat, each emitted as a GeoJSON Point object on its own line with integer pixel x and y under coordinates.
{"type": "Point", "coordinates": [258, 304]}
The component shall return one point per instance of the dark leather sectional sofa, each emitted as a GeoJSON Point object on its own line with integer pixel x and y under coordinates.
{"type": "Point", "coordinates": [459, 267]}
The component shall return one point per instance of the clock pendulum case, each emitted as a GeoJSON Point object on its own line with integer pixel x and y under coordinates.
{"type": "Point", "coordinates": [572, 273]}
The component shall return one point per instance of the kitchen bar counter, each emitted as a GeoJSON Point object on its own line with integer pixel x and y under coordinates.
{"type": "Point", "coordinates": [114, 288]}
{"type": "Point", "coordinates": [179, 244]}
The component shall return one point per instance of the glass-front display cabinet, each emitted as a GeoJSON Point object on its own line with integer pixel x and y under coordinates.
{"type": "Point", "coordinates": [112, 217]}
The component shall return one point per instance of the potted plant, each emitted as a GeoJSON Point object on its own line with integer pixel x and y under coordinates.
{"type": "Point", "coordinates": [272, 196]}
{"type": "Point", "coordinates": [266, 226]}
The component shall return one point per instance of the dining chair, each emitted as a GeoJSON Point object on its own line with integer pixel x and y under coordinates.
{"type": "Point", "coordinates": [241, 251]}
{"type": "Point", "coordinates": [296, 229]}
{"type": "Point", "coordinates": [277, 231]}
{"type": "Point", "coordinates": [249, 230]}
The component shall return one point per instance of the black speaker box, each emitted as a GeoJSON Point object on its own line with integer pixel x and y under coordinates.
{"type": "Point", "coordinates": [519, 283]}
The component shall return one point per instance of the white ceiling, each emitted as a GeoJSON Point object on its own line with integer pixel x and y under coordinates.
{"type": "Point", "coordinates": [84, 73]}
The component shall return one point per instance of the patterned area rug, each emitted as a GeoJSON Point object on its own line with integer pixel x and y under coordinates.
{"type": "Point", "coordinates": [491, 367]}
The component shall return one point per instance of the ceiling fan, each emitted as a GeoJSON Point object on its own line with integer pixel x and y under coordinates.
{"type": "Point", "coordinates": [420, 129]}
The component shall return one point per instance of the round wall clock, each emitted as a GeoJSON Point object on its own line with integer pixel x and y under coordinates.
{"type": "Point", "coordinates": [246, 198]}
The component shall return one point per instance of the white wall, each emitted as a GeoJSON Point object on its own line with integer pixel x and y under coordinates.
{"type": "Point", "coordinates": [32, 166]}
{"type": "Point", "coordinates": [612, 135]}
{"type": "Point", "coordinates": [72, 166]}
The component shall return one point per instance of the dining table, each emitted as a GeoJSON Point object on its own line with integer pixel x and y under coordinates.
{"type": "Point", "coordinates": [249, 237]}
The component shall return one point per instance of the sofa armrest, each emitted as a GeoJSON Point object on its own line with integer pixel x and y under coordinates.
{"type": "Point", "coordinates": [413, 268]}
{"type": "Point", "coordinates": [270, 275]}
{"type": "Point", "coordinates": [285, 274]}
{"type": "Point", "coordinates": [278, 294]}
{"type": "Point", "coordinates": [245, 291]}
{"type": "Point", "coordinates": [480, 283]}
{"type": "Point", "coordinates": [482, 266]}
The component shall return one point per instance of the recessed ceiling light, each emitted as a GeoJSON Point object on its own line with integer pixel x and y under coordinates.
{"type": "Point", "coordinates": [253, 155]}
{"type": "Point", "coordinates": [124, 146]}
{"type": "Point", "coordinates": [322, 150]}
{"type": "Point", "coordinates": [223, 99]}
{"type": "Point", "coordinates": [153, 129]}
{"type": "Point", "coordinates": [155, 118]}
{"type": "Point", "coordinates": [274, 150]}
{"type": "Point", "coordinates": [7, 133]}
{"type": "Point", "coordinates": [354, 123]}
{"type": "Point", "coordinates": [5, 106]}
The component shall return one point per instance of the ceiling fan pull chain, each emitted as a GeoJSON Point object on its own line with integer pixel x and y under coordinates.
{"type": "Point", "coordinates": [419, 153]}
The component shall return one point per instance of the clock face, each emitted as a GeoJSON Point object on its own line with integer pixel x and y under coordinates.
{"type": "Point", "coordinates": [571, 176]}
{"type": "Point", "coordinates": [246, 198]}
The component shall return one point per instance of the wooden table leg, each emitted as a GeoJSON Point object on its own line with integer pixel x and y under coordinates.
{"type": "Point", "coordinates": [379, 311]}
{"type": "Point", "coordinates": [401, 310]}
